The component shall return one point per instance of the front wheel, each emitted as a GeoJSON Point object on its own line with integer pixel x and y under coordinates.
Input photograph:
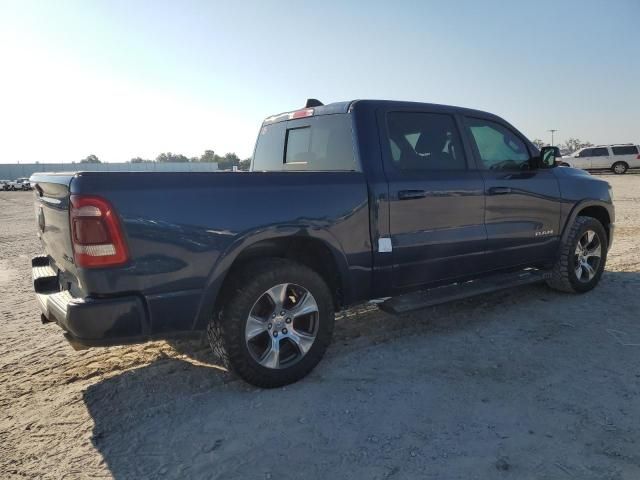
{"type": "Point", "coordinates": [276, 322]}
{"type": "Point", "coordinates": [582, 257]}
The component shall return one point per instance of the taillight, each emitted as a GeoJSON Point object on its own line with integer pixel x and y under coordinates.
{"type": "Point", "coordinates": [97, 237]}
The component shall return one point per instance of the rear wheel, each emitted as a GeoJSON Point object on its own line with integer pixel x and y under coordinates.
{"type": "Point", "coordinates": [582, 257]}
{"type": "Point", "coordinates": [619, 168]}
{"type": "Point", "coordinates": [276, 324]}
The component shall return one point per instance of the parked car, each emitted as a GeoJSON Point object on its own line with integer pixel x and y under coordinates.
{"type": "Point", "coordinates": [12, 185]}
{"type": "Point", "coordinates": [412, 203]}
{"type": "Point", "coordinates": [617, 158]}
{"type": "Point", "coordinates": [4, 184]}
{"type": "Point", "coordinates": [23, 184]}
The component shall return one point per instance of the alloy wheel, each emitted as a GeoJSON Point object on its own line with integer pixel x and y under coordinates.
{"type": "Point", "coordinates": [588, 255]}
{"type": "Point", "coordinates": [282, 326]}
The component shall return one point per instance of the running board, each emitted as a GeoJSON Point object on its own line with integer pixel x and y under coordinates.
{"type": "Point", "coordinates": [458, 291]}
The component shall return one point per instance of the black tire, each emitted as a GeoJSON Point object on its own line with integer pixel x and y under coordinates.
{"type": "Point", "coordinates": [226, 331]}
{"type": "Point", "coordinates": [619, 168]}
{"type": "Point", "coordinates": [564, 277]}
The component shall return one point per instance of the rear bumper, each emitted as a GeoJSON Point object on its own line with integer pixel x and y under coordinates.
{"type": "Point", "coordinates": [88, 321]}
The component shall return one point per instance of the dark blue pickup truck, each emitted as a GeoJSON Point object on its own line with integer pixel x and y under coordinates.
{"type": "Point", "coordinates": [412, 204]}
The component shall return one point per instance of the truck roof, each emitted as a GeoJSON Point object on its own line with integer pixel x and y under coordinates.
{"type": "Point", "coordinates": [348, 106]}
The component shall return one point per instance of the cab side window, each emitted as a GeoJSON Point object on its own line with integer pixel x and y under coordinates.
{"type": "Point", "coordinates": [498, 147]}
{"type": "Point", "coordinates": [587, 152]}
{"type": "Point", "coordinates": [424, 142]}
{"type": "Point", "coordinates": [600, 152]}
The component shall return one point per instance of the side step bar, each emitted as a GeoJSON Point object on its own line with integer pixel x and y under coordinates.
{"type": "Point", "coordinates": [458, 291]}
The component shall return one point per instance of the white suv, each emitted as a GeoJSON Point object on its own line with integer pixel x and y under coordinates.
{"type": "Point", "coordinates": [617, 158]}
{"type": "Point", "coordinates": [11, 185]}
{"type": "Point", "coordinates": [23, 183]}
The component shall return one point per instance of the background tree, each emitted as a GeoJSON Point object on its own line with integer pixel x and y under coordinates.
{"type": "Point", "coordinates": [538, 143]}
{"type": "Point", "coordinates": [573, 144]}
{"type": "Point", "coordinates": [171, 158]}
{"type": "Point", "coordinates": [90, 159]}
{"type": "Point", "coordinates": [140, 160]}
{"type": "Point", "coordinates": [229, 161]}
{"type": "Point", "coordinates": [245, 164]}
{"type": "Point", "coordinates": [209, 156]}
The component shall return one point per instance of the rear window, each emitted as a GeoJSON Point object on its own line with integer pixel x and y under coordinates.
{"type": "Point", "coordinates": [322, 143]}
{"type": "Point", "coordinates": [630, 150]}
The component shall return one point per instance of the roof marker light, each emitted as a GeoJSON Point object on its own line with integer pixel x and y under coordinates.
{"type": "Point", "coordinates": [306, 112]}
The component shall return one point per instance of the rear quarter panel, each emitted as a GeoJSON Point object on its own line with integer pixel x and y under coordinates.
{"type": "Point", "coordinates": [632, 160]}
{"type": "Point", "coordinates": [185, 229]}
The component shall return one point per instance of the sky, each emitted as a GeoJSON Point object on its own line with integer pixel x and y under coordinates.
{"type": "Point", "coordinates": [134, 78]}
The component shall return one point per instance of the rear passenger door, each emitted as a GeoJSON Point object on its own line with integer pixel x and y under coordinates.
{"type": "Point", "coordinates": [436, 207]}
{"type": "Point", "coordinates": [601, 158]}
{"type": "Point", "coordinates": [522, 208]}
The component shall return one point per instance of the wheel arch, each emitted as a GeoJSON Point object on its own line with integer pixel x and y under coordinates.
{"type": "Point", "coordinates": [625, 163]}
{"type": "Point", "coordinates": [601, 211]}
{"type": "Point", "coordinates": [316, 248]}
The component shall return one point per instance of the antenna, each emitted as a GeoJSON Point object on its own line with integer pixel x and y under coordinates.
{"type": "Point", "coordinates": [312, 102]}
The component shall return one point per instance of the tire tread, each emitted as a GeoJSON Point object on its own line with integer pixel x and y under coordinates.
{"type": "Point", "coordinates": [225, 330]}
{"type": "Point", "coordinates": [560, 275]}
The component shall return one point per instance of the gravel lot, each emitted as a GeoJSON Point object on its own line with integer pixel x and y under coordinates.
{"type": "Point", "coordinates": [526, 384]}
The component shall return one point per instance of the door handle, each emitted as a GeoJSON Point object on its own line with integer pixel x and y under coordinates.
{"type": "Point", "coordinates": [411, 194]}
{"type": "Point", "coordinates": [499, 190]}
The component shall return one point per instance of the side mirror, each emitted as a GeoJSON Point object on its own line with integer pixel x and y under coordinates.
{"type": "Point", "coordinates": [548, 156]}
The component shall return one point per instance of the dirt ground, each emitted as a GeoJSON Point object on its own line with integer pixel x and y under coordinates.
{"type": "Point", "coordinates": [526, 384]}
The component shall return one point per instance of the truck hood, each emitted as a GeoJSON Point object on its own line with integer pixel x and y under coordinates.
{"type": "Point", "coordinates": [576, 185]}
{"type": "Point", "coordinates": [571, 172]}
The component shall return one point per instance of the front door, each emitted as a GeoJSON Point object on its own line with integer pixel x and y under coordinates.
{"type": "Point", "coordinates": [600, 158]}
{"type": "Point", "coordinates": [522, 214]}
{"type": "Point", "coordinates": [583, 159]}
{"type": "Point", "coordinates": [436, 201]}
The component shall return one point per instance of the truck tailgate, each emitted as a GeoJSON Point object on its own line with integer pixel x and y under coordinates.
{"type": "Point", "coordinates": [52, 219]}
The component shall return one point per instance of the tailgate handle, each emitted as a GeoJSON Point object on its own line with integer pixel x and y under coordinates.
{"type": "Point", "coordinates": [499, 190]}
{"type": "Point", "coordinates": [411, 194]}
